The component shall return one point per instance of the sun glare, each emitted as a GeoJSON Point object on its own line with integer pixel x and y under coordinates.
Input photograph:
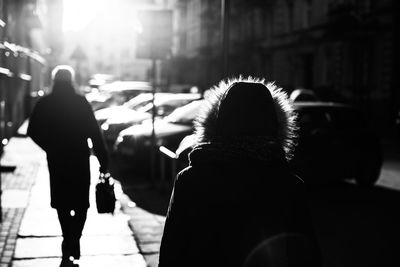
{"type": "Point", "coordinates": [79, 13]}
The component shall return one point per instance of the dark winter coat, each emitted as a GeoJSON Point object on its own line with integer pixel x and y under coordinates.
{"type": "Point", "coordinates": [222, 209]}
{"type": "Point", "coordinates": [237, 191]}
{"type": "Point", "coordinates": [60, 124]}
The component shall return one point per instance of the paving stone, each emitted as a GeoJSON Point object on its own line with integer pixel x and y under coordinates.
{"type": "Point", "coordinates": [161, 219]}
{"type": "Point", "coordinates": [149, 248]}
{"type": "Point", "coordinates": [96, 224]}
{"type": "Point", "coordinates": [86, 261]}
{"type": "Point", "coordinates": [90, 245]}
{"type": "Point", "coordinates": [146, 229]}
{"type": "Point", "coordinates": [148, 237]}
{"type": "Point", "coordinates": [152, 259]}
{"type": "Point", "coordinates": [6, 259]}
{"type": "Point", "coordinates": [137, 212]}
{"type": "Point", "coordinates": [9, 247]}
{"type": "Point", "coordinates": [8, 253]}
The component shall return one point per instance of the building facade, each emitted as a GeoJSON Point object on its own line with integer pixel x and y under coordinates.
{"type": "Point", "coordinates": [21, 66]}
{"type": "Point", "coordinates": [344, 50]}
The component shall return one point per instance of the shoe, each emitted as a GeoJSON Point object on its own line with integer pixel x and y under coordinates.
{"type": "Point", "coordinates": [65, 263]}
{"type": "Point", "coordinates": [68, 263]}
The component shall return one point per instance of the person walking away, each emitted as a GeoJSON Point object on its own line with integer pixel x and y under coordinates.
{"type": "Point", "coordinates": [238, 190]}
{"type": "Point", "coordinates": [61, 124]}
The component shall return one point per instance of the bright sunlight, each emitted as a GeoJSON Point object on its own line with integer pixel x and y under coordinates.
{"type": "Point", "coordinates": [79, 13]}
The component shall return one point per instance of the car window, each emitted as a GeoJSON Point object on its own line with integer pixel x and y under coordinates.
{"type": "Point", "coordinates": [185, 114]}
{"type": "Point", "coordinates": [139, 101]}
{"type": "Point", "coordinates": [165, 107]}
{"type": "Point", "coordinates": [346, 118]}
{"type": "Point", "coordinates": [338, 118]}
{"type": "Point", "coordinates": [141, 106]}
{"type": "Point", "coordinates": [165, 110]}
{"type": "Point", "coordinates": [130, 94]}
{"type": "Point", "coordinates": [312, 119]}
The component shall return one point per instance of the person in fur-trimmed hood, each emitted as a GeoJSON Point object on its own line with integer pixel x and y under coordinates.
{"type": "Point", "coordinates": [237, 190]}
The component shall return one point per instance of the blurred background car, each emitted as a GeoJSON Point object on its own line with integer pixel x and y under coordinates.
{"type": "Point", "coordinates": [302, 94]}
{"type": "Point", "coordinates": [140, 102]}
{"type": "Point", "coordinates": [126, 116]}
{"type": "Point", "coordinates": [135, 142]}
{"type": "Point", "coordinates": [99, 79]}
{"type": "Point", "coordinates": [116, 93]}
{"type": "Point", "coordinates": [180, 88]}
{"type": "Point", "coordinates": [335, 143]}
{"type": "Point", "coordinates": [115, 111]}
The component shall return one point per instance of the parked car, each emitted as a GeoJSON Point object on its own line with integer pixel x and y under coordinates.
{"type": "Point", "coordinates": [135, 103]}
{"type": "Point", "coordinates": [100, 79]}
{"type": "Point", "coordinates": [116, 93]}
{"type": "Point", "coordinates": [135, 142]}
{"type": "Point", "coordinates": [334, 144]}
{"type": "Point", "coordinates": [138, 103]}
{"type": "Point", "coordinates": [301, 95]}
{"type": "Point", "coordinates": [127, 116]}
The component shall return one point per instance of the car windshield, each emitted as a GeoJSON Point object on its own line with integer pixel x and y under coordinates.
{"type": "Point", "coordinates": [119, 86]}
{"type": "Point", "coordinates": [346, 118]}
{"type": "Point", "coordinates": [185, 114]}
{"type": "Point", "coordinates": [164, 107]}
{"type": "Point", "coordinates": [339, 118]}
{"type": "Point", "coordinates": [123, 91]}
{"type": "Point", "coordinates": [139, 101]}
{"type": "Point", "coordinates": [165, 102]}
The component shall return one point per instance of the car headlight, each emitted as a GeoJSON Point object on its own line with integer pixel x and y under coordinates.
{"type": "Point", "coordinates": [119, 140]}
{"type": "Point", "coordinates": [160, 142]}
{"type": "Point", "coordinates": [147, 142]}
{"type": "Point", "coordinates": [105, 126]}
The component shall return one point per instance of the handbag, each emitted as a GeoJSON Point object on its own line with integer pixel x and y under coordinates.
{"type": "Point", "coordinates": [105, 195]}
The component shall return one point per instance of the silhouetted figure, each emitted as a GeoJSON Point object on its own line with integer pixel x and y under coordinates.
{"type": "Point", "coordinates": [61, 124]}
{"type": "Point", "coordinates": [238, 190]}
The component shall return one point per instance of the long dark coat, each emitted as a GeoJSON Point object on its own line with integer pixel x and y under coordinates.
{"type": "Point", "coordinates": [221, 210]}
{"type": "Point", "coordinates": [238, 190]}
{"type": "Point", "coordinates": [60, 124]}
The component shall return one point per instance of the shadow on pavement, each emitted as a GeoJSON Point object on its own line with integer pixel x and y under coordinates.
{"type": "Point", "coordinates": [151, 196]}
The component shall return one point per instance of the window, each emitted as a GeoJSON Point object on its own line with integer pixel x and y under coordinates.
{"type": "Point", "coordinates": [307, 13]}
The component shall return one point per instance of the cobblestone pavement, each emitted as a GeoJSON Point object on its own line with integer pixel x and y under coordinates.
{"type": "Point", "coordinates": [147, 229]}
{"type": "Point", "coordinates": [22, 154]}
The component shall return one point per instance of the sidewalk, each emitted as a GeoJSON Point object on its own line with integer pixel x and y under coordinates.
{"type": "Point", "coordinates": [30, 234]}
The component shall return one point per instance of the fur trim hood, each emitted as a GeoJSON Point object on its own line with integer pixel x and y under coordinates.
{"type": "Point", "coordinates": [206, 121]}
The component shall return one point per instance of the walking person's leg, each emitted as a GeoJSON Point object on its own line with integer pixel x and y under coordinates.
{"type": "Point", "coordinates": [64, 218]}
{"type": "Point", "coordinates": [78, 222]}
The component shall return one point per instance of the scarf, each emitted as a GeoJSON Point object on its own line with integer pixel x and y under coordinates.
{"type": "Point", "coordinates": [239, 149]}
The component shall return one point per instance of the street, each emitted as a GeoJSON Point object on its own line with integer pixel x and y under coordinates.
{"type": "Point", "coordinates": [128, 88]}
